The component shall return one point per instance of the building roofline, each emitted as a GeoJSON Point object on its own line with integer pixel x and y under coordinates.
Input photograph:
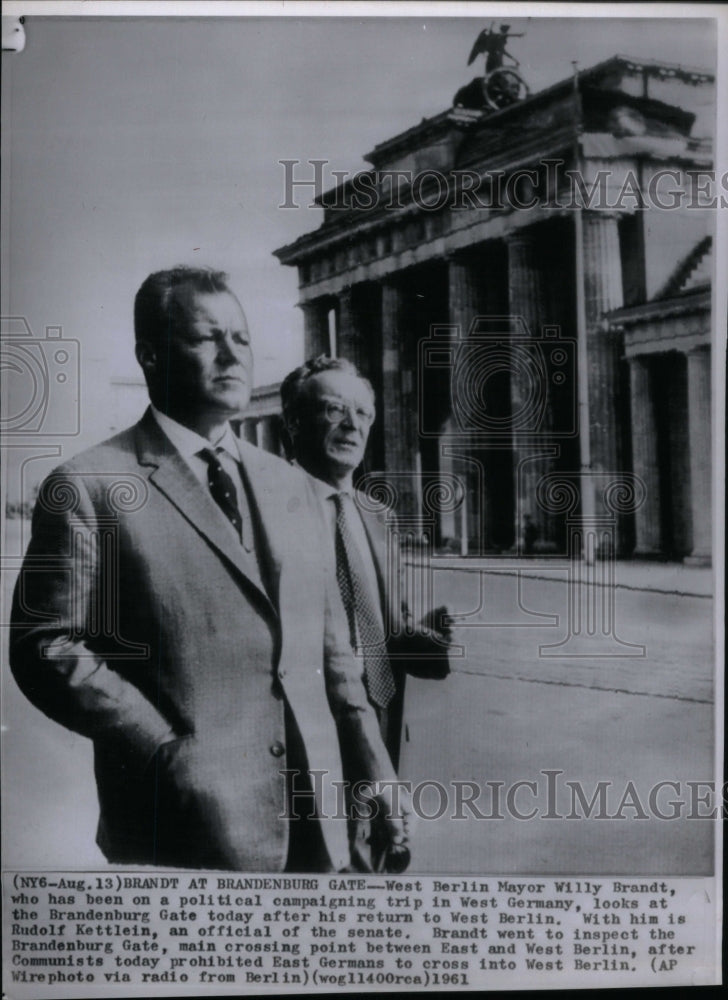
{"type": "Point", "coordinates": [261, 391]}
{"type": "Point", "coordinates": [442, 124]}
{"type": "Point", "coordinates": [686, 266]}
{"type": "Point", "coordinates": [693, 300]}
{"type": "Point", "coordinates": [651, 66]}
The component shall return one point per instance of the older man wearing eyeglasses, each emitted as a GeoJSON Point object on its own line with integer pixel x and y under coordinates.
{"type": "Point", "coordinates": [328, 410]}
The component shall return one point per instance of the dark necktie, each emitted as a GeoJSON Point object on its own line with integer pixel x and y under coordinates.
{"type": "Point", "coordinates": [222, 489]}
{"type": "Point", "coordinates": [365, 626]}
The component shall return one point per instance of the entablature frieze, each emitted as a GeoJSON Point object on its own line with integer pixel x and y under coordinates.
{"type": "Point", "coordinates": [683, 332]}
{"type": "Point", "coordinates": [365, 246]}
{"type": "Point", "coordinates": [470, 233]}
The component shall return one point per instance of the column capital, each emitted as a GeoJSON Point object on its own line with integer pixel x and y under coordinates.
{"type": "Point", "coordinates": [310, 305]}
{"type": "Point", "coordinates": [591, 215]}
{"type": "Point", "coordinates": [458, 255]}
{"type": "Point", "coordinates": [524, 236]}
{"type": "Point", "coordinates": [391, 281]}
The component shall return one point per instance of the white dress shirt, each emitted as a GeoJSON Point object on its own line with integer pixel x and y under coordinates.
{"type": "Point", "coordinates": [189, 444]}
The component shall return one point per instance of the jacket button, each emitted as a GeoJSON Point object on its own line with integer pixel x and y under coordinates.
{"type": "Point", "coordinates": [277, 749]}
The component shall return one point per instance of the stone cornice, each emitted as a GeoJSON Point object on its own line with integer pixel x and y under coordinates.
{"type": "Point", "coordinates": [694, 301]}
{"type": "Point", "coordinates": [328, 235]}
{"type": "Point", "coordinates": [358, 224]}
{"type": "Point", "coordinates": [473, 230]}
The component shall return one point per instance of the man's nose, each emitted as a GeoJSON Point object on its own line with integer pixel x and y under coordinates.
{"type": "Point", "coordinates": [228, 352]}
{"type": "Point", "coordinates": [348, 419]}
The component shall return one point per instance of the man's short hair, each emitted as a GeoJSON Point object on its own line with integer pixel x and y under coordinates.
{"type": "Point", "coordinates": [293, 383]}
{"type": "Point", "coordinates": [157, 306]}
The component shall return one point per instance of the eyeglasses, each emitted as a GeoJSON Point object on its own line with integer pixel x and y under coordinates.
{"type": "Point", "coordinates": [335, 411]}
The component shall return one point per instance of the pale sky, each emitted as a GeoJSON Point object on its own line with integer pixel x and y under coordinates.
{"type": "Point", "coordinates": [135, 144]}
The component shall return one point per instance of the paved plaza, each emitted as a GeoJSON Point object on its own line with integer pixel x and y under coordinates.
{"type": "Point", "coordinates": [522, 700]}
{"type": "Point", "coordinates": [518, 705]}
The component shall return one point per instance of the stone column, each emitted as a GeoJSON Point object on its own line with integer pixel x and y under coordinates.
{"type": "Point", "coordinates": [458, 444]}
{"type": "Point", "coordinates": [453, 523]}
{"type": "Point", "coordinates": [699, 430]}
{"type": "Point", "coordinates": [602, 292]}
{"type": "Point", "coordinates": [400, 405]}
{"type": "Point", "coordinates": [648, 541]}
{"type": "Point", "coordinates": [349, 333]}
{"type": "Point", "coordinates": [248, 430]}
{"type": "Point", "coordinates": [530, 397]}
{"type": "Point", "coordinates": [315, 328]}
{"type": "Point", "coordinates": [462, 293]}
{"type": "Point", "coordinates": [269, 435]}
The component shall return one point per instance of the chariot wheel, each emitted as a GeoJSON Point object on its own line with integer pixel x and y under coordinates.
{"type": "Point", "coordinates": [504, 87]}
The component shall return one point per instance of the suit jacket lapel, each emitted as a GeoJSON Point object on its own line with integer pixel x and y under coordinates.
{"type": "Point", "coordinates": [278, 502]}
{"type": "Point", "coordinates": [267, 509]}
{"type": "Point", "coordinates": [174, 478]}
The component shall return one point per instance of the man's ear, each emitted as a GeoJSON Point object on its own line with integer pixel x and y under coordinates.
{"type": "Point", "coordinates": [291, 425]}
{"type": "Point", "coordinates": [286, 438]}
{"type": "Point", "coordinates": [146, 355]}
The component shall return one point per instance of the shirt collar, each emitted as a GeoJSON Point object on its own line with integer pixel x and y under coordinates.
{"type": "Point", "coordinates": [324, 491]}
{"type": "Point", "coordinates": [188, 442]}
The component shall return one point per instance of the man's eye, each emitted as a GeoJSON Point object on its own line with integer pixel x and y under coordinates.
{"type": "Point", "coordinates": [364, 415]}
{"type": "Point", "coordinates": [335, 409]}
{"type": "Point", "coordinates": [241, 340]}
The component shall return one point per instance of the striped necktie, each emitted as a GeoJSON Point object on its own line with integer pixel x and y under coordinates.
{"type": "Point", "coordinates": [362, 607]}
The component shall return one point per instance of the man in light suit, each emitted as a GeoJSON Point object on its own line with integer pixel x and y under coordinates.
{"type": "Point", "coordinates": [176, 607]}
{"type": "Point", "coordinates": [328, 411]}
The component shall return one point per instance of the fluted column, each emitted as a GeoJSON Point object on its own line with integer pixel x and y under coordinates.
{"type": "Point", "coordinates": [602, 292]}
{"type": "Point", "coordinates": [400, 405]}
{"type": "Point", "coordinates": [349, 333]}
{"type": "Point", "coordinates": [463, 293]}
{"type": "Point", "coordinates": [532, 437]}
{"type": "Point", "coordinates": [602, 267]}
{"type": "Point", "coordinates": [315, 328]}
{"type": "Point", "coordinates": [645, 459]}
{"type": "Point", "coordinates": [259, 433]}
{"type": "Point", "coordinates": [269, 434]}
{"type": "Point", "coordinates": [457, 441]}
{"type": "Point", "coordinates": [248, 430]}
{"type": "Point", "coordinates": [700, 455]}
